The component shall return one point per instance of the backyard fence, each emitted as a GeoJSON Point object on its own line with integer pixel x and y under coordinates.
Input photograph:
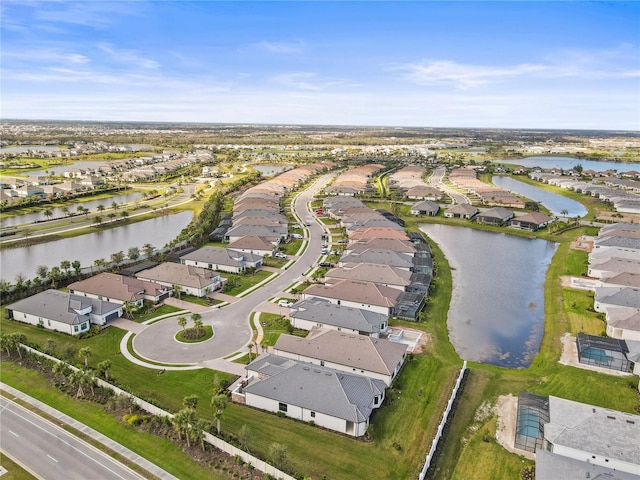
{"type": "Point", "coordinates": [443, 422]}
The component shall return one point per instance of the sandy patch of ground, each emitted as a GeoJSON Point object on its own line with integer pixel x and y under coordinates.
{"type": "Point", "coordinates": [583, 242]}
{"type": "Point", "coordinates": [569, 357]}
{"type": "Point", "coordinates": [507, 410]}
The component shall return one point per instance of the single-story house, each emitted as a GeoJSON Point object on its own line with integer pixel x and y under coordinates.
{"type": "Point", "coordinates": [222, 259]}
{"type": "Point", "coordinates": [331, 399]}
{"type": "Point", "coordinates": [613, 266]}
{"type": "Point", "coordinates": [425, 192]}
{"type": "Point", "coordinates": [320, 313]}
{"type": "Point", "coordinates": [495, 216]}
{"type": "Point", "coordinates": [585, 433]}
{"type": "Point", "coordinates": [531, 221]}
{"type": "Point", "coordinates": [607, 297]}
{"type": "Point", "coordinates": [192, 280]}
{"type": "Point", "coordinates": [347, 352]}
{"type": "Point", "coordinates": [371, 272]}
{"type": "Point", "coordinates": [365, 295]}
{"type": "Point", "coordinates": [120, 289]}
{"type": "Point", "coordinates": [64, 312]}
{"type": "Point", "coordinates": [271, 233]}
{"type": "Point", "coordinates": [403, 261]}
{"type": "Point", "coordinates": [461, 210]}
{"type": "Point", "coordinates": [399, 246]}
{"type": "Point", "coordinates": [623, 323]}
{"type": "Point", "coordinates": [253, 244]}
{"type": "Point", "coordinates": [427, 207]}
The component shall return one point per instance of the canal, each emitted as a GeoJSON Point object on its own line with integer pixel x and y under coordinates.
{"type": "Point", "coordinates": [90, 247]}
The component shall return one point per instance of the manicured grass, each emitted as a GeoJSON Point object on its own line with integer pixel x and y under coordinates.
{"type": "Point", "coordinates": [275, 325]}
{"type": "Point", "coordinates": [292, 247]}
{"type": "Point", "coordinates": [245, 282]}
{"type": "Point", "coordinates": [155, 312]}
{"type": "Point", "coordinates": [204, 301]}
{"type": "Point", "coordinates": [576, 303]}
{"type": "Point", "coordinates": [160, 451]}
{"type": "Point", "coordinates": [208, 333]}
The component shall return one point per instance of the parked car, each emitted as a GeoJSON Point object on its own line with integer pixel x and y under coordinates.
{"type": "Point", "coordinates": [285, 303]}
{"type": "Point", "coordinates": [324, 251]}
{"type": "Point", "coordinates": [296, 236]}
{"type": "Point", "coordinates": [280, 255]}
{"type": "Point", "coordinates": [326, 264]}
{"type": "Point", "coordinates": [319, 211]}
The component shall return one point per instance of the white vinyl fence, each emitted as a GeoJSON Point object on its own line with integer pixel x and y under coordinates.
{"type": "Point", "coordinates": [443, 422]}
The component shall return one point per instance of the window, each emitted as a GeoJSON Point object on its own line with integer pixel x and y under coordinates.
{"type": "Point", "coordinates": [313, 414]}
{"type": "Point", "coordinates": [376, 400]}
{"type": "Point", "coordinates": [282, 407]}
{"type": "Point", "coordinates": [49, 323]}
{"type": "Point", "coordinates": [75, 328]}
{"type": "Point", "coordinates": [322, 363]}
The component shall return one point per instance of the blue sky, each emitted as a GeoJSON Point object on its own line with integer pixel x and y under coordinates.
{"type": "Point", "coordinates": [433, 64]}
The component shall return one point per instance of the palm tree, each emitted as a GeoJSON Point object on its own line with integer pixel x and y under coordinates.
{"type": "Point", "coordinates": [564, 212]}
{"type": "Point", "coordinates": [182, 321]}
{"type": "Point", "coordinates": [115, 206]}
{"type": "Point", "coordinates": [191, 401]}
{"type": "Point", "coordinates": [100, 208]}
{"type": "Point", "coordinates": [48, 213]}
{"type": "Point", "coordinates": [112, 216]}
{"type": "Point", "coordinates": [147, 249]}
{"type": "Point", "coordinates": [66, 211]}
{"type": "Point", "coordinates": [197, 431]}
{"type": "Point", "coordinates": [42, 271]}
{"type": "Point", "coordinates": [75, 378]}
{"type": "Point", "coordinates": [117, 257]}
{"type": "Point", "coordinates": [244, 436]}
{"type": "Point", "coordinates": [219, 403]}
{"type": "Point", "coordinates": [133, 253]}
{"type": "Point", "coordinates": [66, 266]}
{"type": "Point", "coordinates": [77, 267]}
{"type": "Point", "coordinates": [124, 214]}
{"type": "Point", "coordinates": [61, 369]}
{"type": "Point", "coordinates": [104, 367]}
{"type": "Point", "coordinates": [85, 352]}
{"type": "Point", "coordinates": [54, 275]}
{"type": "Point", "coordinates": [182, 422]}
{"type": "Point", "coordinates": [97, 220]}
{"type": "Point", "coordinates": [197, 321]}
{"type": "Point", "coordinates": [250, 347]}
{"type": "Point", "coordinates": [177, 290]}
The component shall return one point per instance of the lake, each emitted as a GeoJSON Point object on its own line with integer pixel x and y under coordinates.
{"type": "Point", "coordinates": [88, 248]}
{"type": "Point", "coordinates": [11, 220]}
{"type": "Point", "coordinates": [567, 163]}
{"type": "Point", "coordinates": [554, 202]}
{"type": "Point", "coordinates": [497, 306]}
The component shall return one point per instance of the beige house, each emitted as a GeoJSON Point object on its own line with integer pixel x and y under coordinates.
{"type": "Point", "coordinates": [120, 289]}
{"type": "Point", "coordinates": [192, 280]}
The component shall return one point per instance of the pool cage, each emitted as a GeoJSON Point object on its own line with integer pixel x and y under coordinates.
{"type": "Point", "coordinates": [603, 352]}
{"type": "Point", "coordinates": [533, 413]}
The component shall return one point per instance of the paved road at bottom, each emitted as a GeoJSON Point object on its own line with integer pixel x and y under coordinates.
{"type": "Point", "coordinates": [52, 453]}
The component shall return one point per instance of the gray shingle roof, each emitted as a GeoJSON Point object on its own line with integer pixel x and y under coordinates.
{"type": "Point", "coordinates": [61, 306]}
{"type": "Point", "coordinates": [372, 272]}
{"type": "Point", "coordinates": [221, 256]}
{"type": "Point", "coordinates": [380, 257]}
{"type": "Point", "coordinates": [319, 389]}
{"type": "Point", "coordinates": [348, 349]}
{"type": "Point", "coordinates": [361, 292]}
{"type": "Point", "coordinates": [322, 311]}
{"type": "Point", "coordinates": [623, 297]}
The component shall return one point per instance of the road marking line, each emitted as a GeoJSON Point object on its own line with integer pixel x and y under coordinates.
{"type": "Point", "coordinates": [52, 458]}
{"type": "Point", "coordinates": [14, 433]}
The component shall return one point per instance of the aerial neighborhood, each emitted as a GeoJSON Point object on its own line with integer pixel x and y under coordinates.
{"type": "Point", "coordinates": [310, 298]}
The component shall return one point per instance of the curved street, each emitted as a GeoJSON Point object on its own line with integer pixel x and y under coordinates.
{"type": "Point", "coordinates": [437, 180]}
{"type": "Point", "coordinates": [231, 323]}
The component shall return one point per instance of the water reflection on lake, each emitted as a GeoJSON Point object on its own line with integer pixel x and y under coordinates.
{"type": "Point", "coordinates": [497, 306]}
{"type": "Point", "coordinates": [73, 208]}
{"type": "Point", "coordinates": [554, 202]}
{"type": "Point", "coordinates": [87, 248]}
{"type": "Point", "coordinates": [567, 163]}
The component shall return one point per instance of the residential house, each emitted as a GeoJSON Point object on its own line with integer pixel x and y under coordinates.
{"type": "Point", "coordinates": [403, 261]}
{"type": "Point", "coordinates": [331, 399]}
{"type": "Point", "coordinates": [273, 234]}
{"type": "Point", "coordinates": [63, 312]}
{"type": "Point", "coordinates": [461, 210]}
{"type": "Point", "coordinates": [531, 221]}
{"type": "Point", "coordinates": [120, 289]}
{"type": "Point", "coordinates": [371, 272]}
{"type": "Point", "coordinates": [495, 216]}
{"type": "Point", "coordinates": [426, 207]}
{"type": "Point", "coordinates": [623, 323]}
{"type": "Point", "coordinates": [607, 297]}
{"type": "Point", "coordinates": [399, 246]}
{"type": "Point", "coordinates": [222, 259]}
{"type": "Point", "coordinates": [377, 232]}
{"type": "Point", "coordinates": [253, 244]}
{"type": "Point", "coordinates": [420, 192]}
{"type": "Point", "coordinates": [190, 279]}
{"type": "Point", "coordinates": [320, 313]}
{"type": "Point", "coordinates": [352, 353]}
{"type": "Point", "coordinates": [613, 266]}
{"type": "Point", "coordinates": [364, 295]}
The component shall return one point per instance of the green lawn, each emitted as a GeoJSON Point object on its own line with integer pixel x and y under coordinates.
{"type": "Point", "coordinates": [275, 325]}
{"type": "Point", "coordinates": [240, 283]}
{"type": "Point", "coordinates": [14, 471]}
{"type": "Point", "coordinates": [155, 311]}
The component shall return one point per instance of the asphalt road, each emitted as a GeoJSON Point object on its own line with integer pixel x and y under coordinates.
{"type": "Point", "coordinates": [232, 331]}
{"type": "Point", "coordinates": [436, 180]}
{"type": "Point", "coordinates": [52, 453]}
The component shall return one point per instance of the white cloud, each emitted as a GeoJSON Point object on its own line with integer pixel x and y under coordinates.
{"type": "Point", "coordinates": [130, 57]}
{"type": "Point", "coordinates": [47, 56]}
{"type": "Point", "coordinates": [283, 48]}
{"type": "Point", "coordinates": [611, 64]}
{"type": "Point", "coordinates": [303, 81]}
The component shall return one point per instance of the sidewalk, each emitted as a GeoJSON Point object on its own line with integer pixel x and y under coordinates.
{"type": "Point", "coordinates": [90, 432]}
